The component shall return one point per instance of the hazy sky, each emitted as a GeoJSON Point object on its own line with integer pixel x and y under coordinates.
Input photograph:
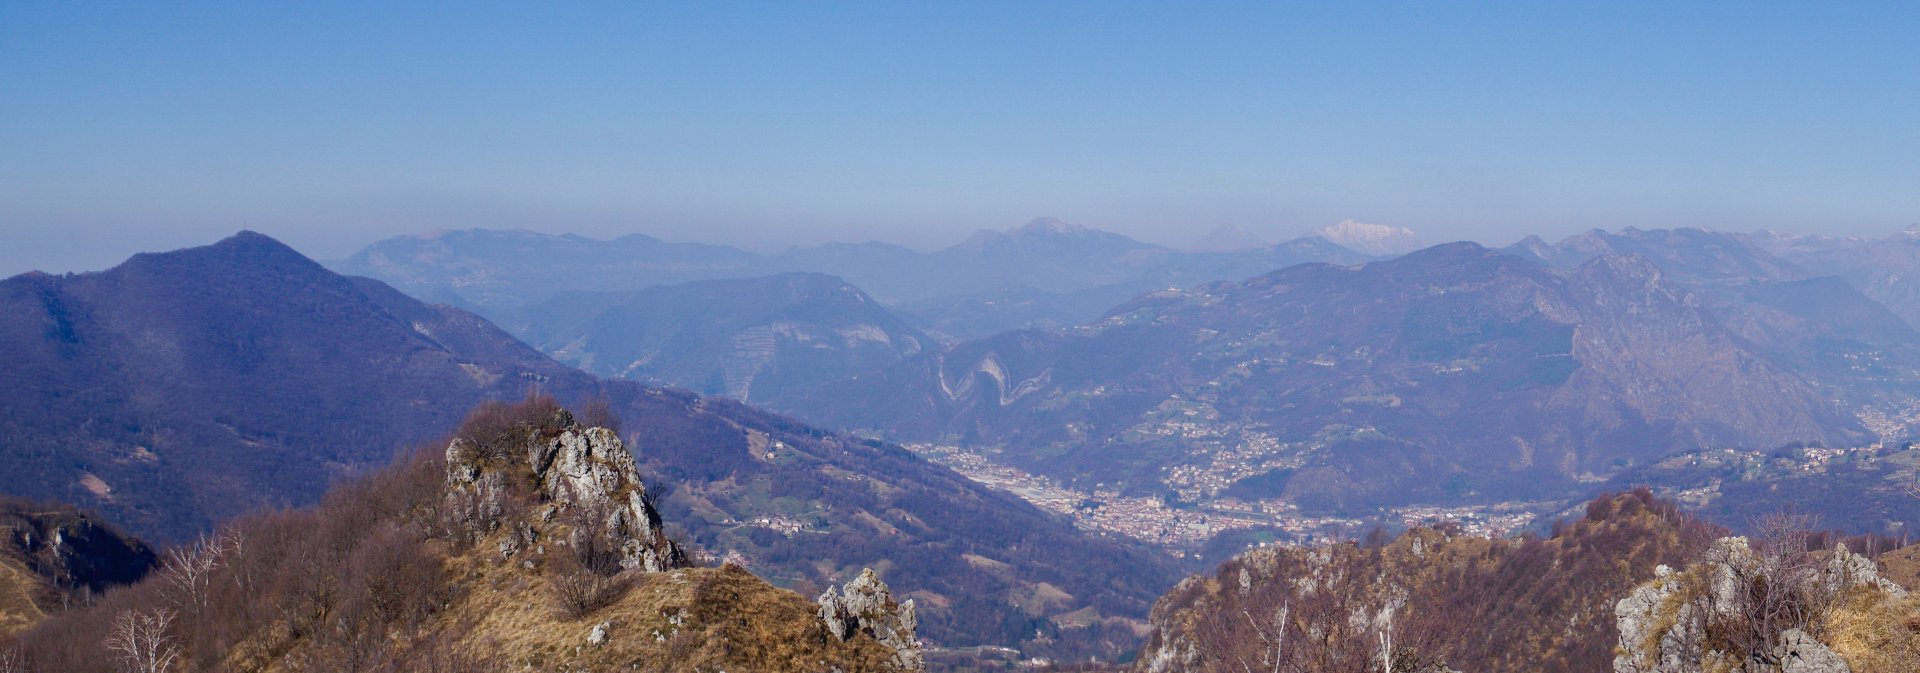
{"type": "Point", "coordinates": [331, 125]}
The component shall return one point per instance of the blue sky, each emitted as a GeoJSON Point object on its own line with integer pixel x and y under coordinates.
{"type": "Point", "coordinates": [135, 127]}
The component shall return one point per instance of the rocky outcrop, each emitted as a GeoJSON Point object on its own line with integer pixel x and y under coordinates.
{"type": "Point", "coordinates": [1801, 653]}
{"type": "Point", "coordinates": [586, 477]}
{"type": "Point", "coordinates": [53, 556]}
{"type": "Point", "coordinates": [1742, 612]}
{"type": "Point", "coordinates": [865, 605]}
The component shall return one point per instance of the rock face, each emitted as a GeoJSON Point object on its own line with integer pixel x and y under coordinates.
{"type": "Point", "coordinates": [1714, 615]}
{"type": "Point", "coordinates": [55, 556]}
{"type": "Point", "coordinates": [585, 474]}
{"type": "Point", "coordinates": [865, 606]}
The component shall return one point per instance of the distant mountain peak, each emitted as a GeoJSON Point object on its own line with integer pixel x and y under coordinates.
{"type": "Point", "coordinates": [1373, 239]}
{"type": "Point", "coordinates": [249, 248]}
{"type": "Point", "coordinates": [1049, 226]}
{"type": "Point", "coordinates": [1047, 233]}
{"type": "Point", "coordinates": [1228, 238]}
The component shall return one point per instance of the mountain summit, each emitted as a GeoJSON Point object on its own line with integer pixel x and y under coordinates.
{"type": "Point", "coordinates": [1049, 225]}
{"type": "Point", "coordinates": [1372, 239]}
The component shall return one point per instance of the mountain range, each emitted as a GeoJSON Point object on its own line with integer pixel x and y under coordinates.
{"type": "Point", "coordinates": [1380, 382]}
{"type": "Point", "coordinates": [181, 389]}
{"type": "Point", "coordinates": [498, 272]}
{"type": "Point", "coordinates": [1514, 373]}
{"type": "Point", "coordinates": [741, 338]}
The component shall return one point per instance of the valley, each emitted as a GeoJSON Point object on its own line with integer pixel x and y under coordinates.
{"type": "Point", "coordinates": [1180, 526]}
{"type": "Point", "coordinates": [1002, 337]}
{"type": "Point", "coordinates": [1030, 491]}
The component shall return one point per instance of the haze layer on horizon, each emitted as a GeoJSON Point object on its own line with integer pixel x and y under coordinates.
{"type": "Point", "coordinates": [138, 127]}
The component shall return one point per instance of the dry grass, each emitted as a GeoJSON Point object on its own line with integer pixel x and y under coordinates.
{"type": "Point", "coordinates": [18, 607]}
{"type": "Point", "coordinates": [697, 619]}
{"type": "Point", "coordinates": [691, 620]}
{"type": "Point", "coordinates": [1902, 566]}
{"type": "Point", "coordinates": [1876, 633]}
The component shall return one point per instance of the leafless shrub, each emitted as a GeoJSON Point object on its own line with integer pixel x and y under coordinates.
{"type": "Point", "coordinates": [395, 580]}
{"type": "Point", "coordinates": [578, 591]}
{"type": "Point", "coordinates": [593, 534]}
{"type": "Point", "coordinates": [1781, 591]}
{"type": "Point", "coordinates": [143, 642]}
{"type": "Point", "coordinates": [349, 646]}
{"type": "Point", "coordinates": [496, 424]}
{"type": "Point", "coordinates": [437, 655]}
{"type": "Point", "coordinates": [597, 412]}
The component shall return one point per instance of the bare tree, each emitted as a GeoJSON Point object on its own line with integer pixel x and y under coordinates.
{"type": "Point", "coordinates": [11, 661]}
{"type": "Point", "coordinates": [1386, 645]}
{"type": "Point", "coordinates": [235, 550]}
{"type": "Point", "coordinates": [1275, 637]}
{"type": "Point", "coordinates": [190, 570]}
{"type": "Point", "coordinates": [142, 641]}
{"type": "Point", "coordinates": [1780, 589]}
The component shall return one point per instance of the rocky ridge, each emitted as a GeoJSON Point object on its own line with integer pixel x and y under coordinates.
{"type": "Point", "coordinates": [1741, 611]}
{"type": "Point", "coordinates": [532, 546]}
{"type": "Point", "coordinates": [592, 500]}
{"type": "Point", "coordinates": [1431, 600]}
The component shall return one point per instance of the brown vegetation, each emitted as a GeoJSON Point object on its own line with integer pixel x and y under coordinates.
{"type": "Point", "coordinates": [1429, 598]}
{"type": "Point", "coordinates": [376, 578]}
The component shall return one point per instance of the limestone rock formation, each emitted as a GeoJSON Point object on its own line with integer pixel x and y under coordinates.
{"type": "Point", "coordinates": [1743, 612]}
{"type": "Point", "coordinates": [1801, 653]}
{"type": "Point", "coordinates": [587, 477]}
{"type": "Point", "coordinates": [865, 605]}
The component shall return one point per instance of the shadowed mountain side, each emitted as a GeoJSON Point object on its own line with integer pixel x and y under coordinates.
{"type": "Point", "coordinates": [53, 557]}
{"type": "Point", "coordinates": [182, 388]}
